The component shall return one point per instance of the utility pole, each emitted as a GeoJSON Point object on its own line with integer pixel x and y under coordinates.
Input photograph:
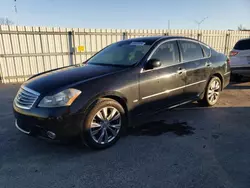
{"type": "Point", "coordinates": [200, 22]}
{"type": "Point", "coordinates": [168, 24]}
{"type": "Point", "coordinates": [15, 7]}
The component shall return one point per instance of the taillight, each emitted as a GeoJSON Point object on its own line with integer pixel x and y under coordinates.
{"type": "Point", "coordinates": [233, 53]}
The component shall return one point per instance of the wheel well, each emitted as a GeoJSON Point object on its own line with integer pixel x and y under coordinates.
{"type": "Point", "coordinates": [119, 100]}
{"type": "Point", "coordinates": [220, 77]}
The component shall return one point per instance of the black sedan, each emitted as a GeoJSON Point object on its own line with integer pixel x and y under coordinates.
{"type": "Point", "coordinates": [124, 82]}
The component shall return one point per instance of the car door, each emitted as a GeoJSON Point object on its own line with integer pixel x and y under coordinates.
{"type": "Point", "coordinates": [198, 67]}
{"type": "Point", "coordinates": [163, 86]}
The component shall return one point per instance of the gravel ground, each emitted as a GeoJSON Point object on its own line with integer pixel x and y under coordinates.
{"type": "Point", "coordinates": [186, 147]}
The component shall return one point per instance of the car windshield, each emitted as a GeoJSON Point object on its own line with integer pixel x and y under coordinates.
{"type": "Point", "coordinates": [124, 53]}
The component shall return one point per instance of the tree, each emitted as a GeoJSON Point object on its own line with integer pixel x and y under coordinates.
{"type": "Point", "coordinates": [6, 21]}
{"type": "Point", "coordinates": [241, 28]}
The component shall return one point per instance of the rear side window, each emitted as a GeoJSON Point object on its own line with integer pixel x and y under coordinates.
{"type": "Point", "coordinates": [207, 51]}
{"type": "Point", "coordinates": [190, 50]}
{"type": "Point", "coordinates": [242, 45]}
{"type": "Point", "coordinates": [167, 53]}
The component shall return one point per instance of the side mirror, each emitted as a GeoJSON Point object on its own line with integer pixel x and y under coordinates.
{"type": "Point", "coordinates": [153, 63]}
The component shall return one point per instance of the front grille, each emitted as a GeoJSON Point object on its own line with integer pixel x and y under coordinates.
{"type": "Point", "coordinates": [26, 97]}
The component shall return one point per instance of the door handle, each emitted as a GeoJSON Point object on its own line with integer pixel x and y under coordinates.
{"type": "Point", "coordinates": [181, 71]}
{"type": "Point", "coordinates": [208, 64]}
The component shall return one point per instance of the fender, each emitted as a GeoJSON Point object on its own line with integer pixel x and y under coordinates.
{"type": "Point", "coordinates": [108, 94]}
{"type": "Point", "coordinates": [218, 74]}
{"type": "Point", "coordinates": [117, 96]}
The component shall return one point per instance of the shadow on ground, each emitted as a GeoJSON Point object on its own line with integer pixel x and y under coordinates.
{"type": "Point", "coordinates": [156, 128]}
{"type": "Point", "coordinates": [238, 86]}
{"type": "Point", "coordinates": [242, 84]}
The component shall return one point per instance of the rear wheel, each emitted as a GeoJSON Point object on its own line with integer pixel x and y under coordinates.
{"type": "Point", "coordinates": [103, 124]}
{"type": "Point", "coordinates": [212, 92]}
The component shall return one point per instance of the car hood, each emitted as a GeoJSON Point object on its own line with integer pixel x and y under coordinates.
{"type": "Point", "coordinates": [66, 76]}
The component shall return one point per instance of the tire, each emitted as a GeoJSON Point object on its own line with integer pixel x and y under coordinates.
{"type": "Point", "coordinates": [212, 92]}
{"type": "Point", "coordinates": [100, 129]}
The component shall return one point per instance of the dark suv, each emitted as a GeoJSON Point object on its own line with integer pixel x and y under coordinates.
{"type": "Point", "coordinates": [124, 82]}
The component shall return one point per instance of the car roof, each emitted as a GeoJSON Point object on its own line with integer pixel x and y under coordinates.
{"type": "Point", "coordinates": [154, 39]}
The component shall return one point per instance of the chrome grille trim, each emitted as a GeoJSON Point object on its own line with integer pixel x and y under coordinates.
{"type": "Point", "coordinates": [30, 90]}
{"type": "Point", "coordinates": [26, 97]}
{"type": "Point", "coordinates": [20, 129]}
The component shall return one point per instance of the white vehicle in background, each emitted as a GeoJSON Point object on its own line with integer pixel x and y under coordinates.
{"type": "Point", "coordinates": [240, 59]}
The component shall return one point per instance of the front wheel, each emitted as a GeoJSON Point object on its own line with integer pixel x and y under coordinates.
{"type": "Point", "coordinates": [212, 92]}
{"type": "Point", "coordinates": [103, 124]}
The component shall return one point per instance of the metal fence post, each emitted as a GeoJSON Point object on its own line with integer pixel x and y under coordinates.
{"type": "Point", "coordinates": [74, 45]}
{"type": "Point", "coordinates": [226, 44]}
{"type": "Point", "coordinates": [71, 48]}
{"type": "Point", "coordinates": [199, 35]}
{"type": "Point", "coordinates": [124, 35]}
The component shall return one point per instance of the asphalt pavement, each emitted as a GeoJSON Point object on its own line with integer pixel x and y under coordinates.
{"type": "Point", "coordinates": [189, 147]}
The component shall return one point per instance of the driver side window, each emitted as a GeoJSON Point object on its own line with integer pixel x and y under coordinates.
{"type": "Point", "coordinates": [167, 53]}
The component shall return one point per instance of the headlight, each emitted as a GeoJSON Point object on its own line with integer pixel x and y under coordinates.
{"type": "Point", "coordinates": [63, 98]}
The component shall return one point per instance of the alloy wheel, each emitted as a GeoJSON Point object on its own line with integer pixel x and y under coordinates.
{"type": "Point", "coordinates": [105, 125]}
{"type": "Point", "coordinates": [214, 91]}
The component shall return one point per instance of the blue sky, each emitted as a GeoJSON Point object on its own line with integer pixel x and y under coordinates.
{"type": "Point", "coordinates": [134, 14]}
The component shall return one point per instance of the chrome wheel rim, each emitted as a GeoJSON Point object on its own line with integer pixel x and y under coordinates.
{"type": "Point", "coordinates": [105, 125]}
{"type": "Point", "coordinates": [214, 91]}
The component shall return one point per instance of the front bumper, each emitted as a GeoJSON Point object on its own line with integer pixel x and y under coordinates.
{"type": "Point", "coordinates": [40, 122]}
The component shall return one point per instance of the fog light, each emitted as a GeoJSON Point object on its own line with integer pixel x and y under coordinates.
{"type": "Point", "coordinates": [51, 135]}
